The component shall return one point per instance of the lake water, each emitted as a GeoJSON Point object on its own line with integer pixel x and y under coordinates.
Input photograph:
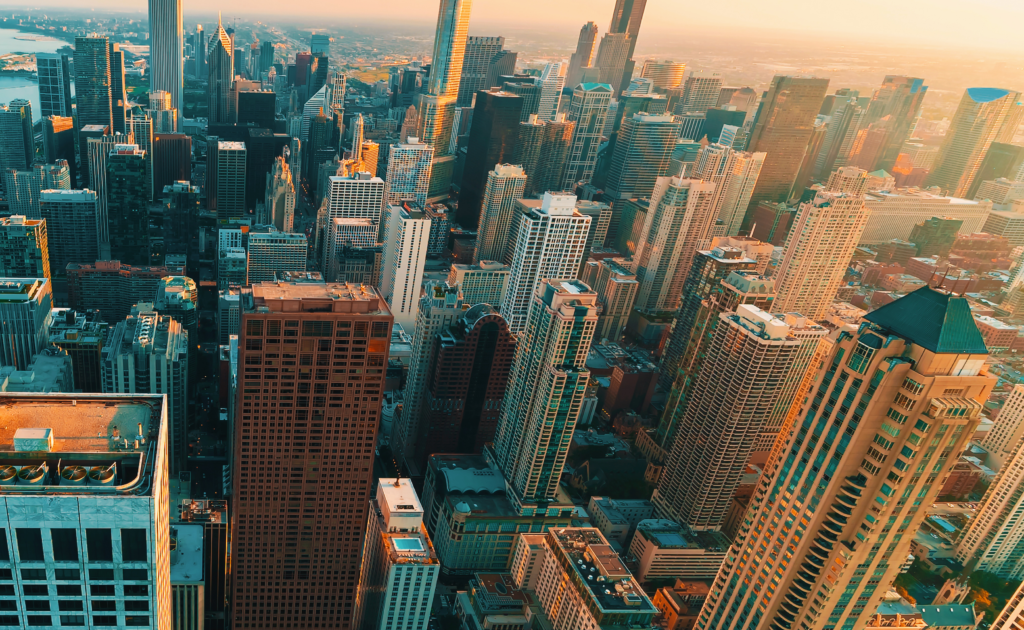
{"type": "Point", "coordinates": [13, 86]}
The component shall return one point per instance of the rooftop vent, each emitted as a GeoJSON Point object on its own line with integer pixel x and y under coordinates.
{"type": "Point", "coordinates": [8, 476]}
{"type": "Point", "coordinates": [103, 475]}
{"type": "Point", "coordinates": [29, 440]}
{"type": "Point", "coordinates": [33, 474]}
{"type": "Point", "coordinates": [73, 476]}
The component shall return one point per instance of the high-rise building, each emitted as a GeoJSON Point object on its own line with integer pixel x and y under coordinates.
{"type": "Point", "coordinates": [178, 297]}
{"type": "Point", "coordinates": [541, 150]}
{"type": "Point", "coordinates": [734, 174]}
{"type": "Point", "coordinates": [583, 57]}
{"type": "Point", "coordinates": [612, 59]}
{"type": "Point", "coordinates": [24, 251]}
{"type": "Point", "coordinates": [345, 233]}
{"type": "Point", "coordinates": [59, 144]}
{"type": "Point", "coordinates": [22, 188]}
{"type": "Point", "coordinates": [547, 239]}
{"type": "Point", "coordinates": [552, 81]}
{"type": "Point", "coordinates": [479, 53]}
{"type": "Point", "coordinates": [504, 189]}
{"type": "Point", "coordinates": [70, 217]}
{"type": "Point", "coordinates": [111, 288]}
{"type": "Point", "coordinates": [819, 247]}
{"type": "Point", "coordinates": [664, 75]}
{"type": "Point", "coordinates": [147, 353]}
{"type": "Point", "coordinates": [616, 288]}
{"type": "Point", "coordinates": [642, 154]}
{"type": "Point", "coordinates": [527, 89]}
{"type": "Point", "coordinates": [678, 224]}
{"type": "Point", "coordinates": [993, 540]}
{"type": "Point", "coordinates": [80, 336]}
{"type": "Point", "coordinates": [399, 568]}
{"type": "Point", "coordinates": [482, 283]}
{"type": "Point", "coordinates": [220, 60]}
{"type": "Point", "coordinates": [54, 84]}
{"type": "Point", "coordinates": [164, 116]}
{"type": "Point", "coordinates": [439, 309]}
{"type": "Point", "coordinates": [127, 205]}
{"type": "Point", "coordinates": [226, 170]}
{"type": "Point", "coordinates": [782, 129]}
{"type": "Point", "coordinates": [17, 142]}
{"type": "Point", "coordinates": [700, 93]}
{"type": "Point", "coordinates": [1003, 440]}
{"type": "Point", "coordinates": [449, 48]}
{"type": "Point", "coordinates": [405, 254]}
{"type": "Point", "coordinates": [232, 267]}
{"type": "Point", "coordinates": [409, 168]}
{"type": "Point", "coordinates": [492, 141]}
{"type": "Point", "coordinates": [118, 101]}
{"type": "Point", "coordinates": [279, 199]}
{"type": "Point", "coordinates": [172, 161]}
{"type": "Point", "coordinates": [141, 130]}
{"type": "Point", "coordinates": [587, 111]}
{"type": "Point", "coordinates": [338, 320]}
{"type": "Point", "coordinates": [1013, 613]}
{"type": "Point", "coordinates": [1002, 160]}
{"type": "Point", "coordinates": [92, 84]}
{"type": "Point", "coordinates": [92, 175]}
{"type": "Point", "coordinates": [897, 102]}
{"type": "Point", "coordinates": [25, 305]}
{"type": "Point", "coordinates": [545, 391]}
{"type": "Point", "coordinates": [856, 473]}
{"type": "Point", "coordinates": [739, 383]}
{"type": "Point", "coordinates": [270, 251]}
{"type": "Point", "coordinates": [984, 116]}
{"type": "Point", "coordinates": [167, 43]}
{"type": "Point", "coordinates": [89, 449]}
{"type": "Point", "coordinates": [180, 204]}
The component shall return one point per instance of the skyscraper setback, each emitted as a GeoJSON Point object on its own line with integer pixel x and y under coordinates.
{"type": "Point", "coordinates": [331, 324]}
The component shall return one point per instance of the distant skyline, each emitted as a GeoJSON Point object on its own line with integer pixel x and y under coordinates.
{"type": "Point", "coordinates": [992, 24]}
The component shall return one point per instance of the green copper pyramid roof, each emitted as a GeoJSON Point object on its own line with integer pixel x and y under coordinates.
{"type": "Point", "coordinates": [879, 173]}
{"type": "Point", "coordinates": [934, 320]}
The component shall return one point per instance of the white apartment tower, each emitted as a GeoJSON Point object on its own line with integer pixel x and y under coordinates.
{"type": "Point", "coordinates": [587, 109]}
{"type": "Point", "coordinates": [734, 174]}
{"type": "Point", "coordinates": [552, 80]}
{"type": "Point", "coordinates": [700, 93]}
{"type": "Point", "coordinates": [1007, 432]}
{"type": "Point", "coordinates": [678, 226]}
{"type": "Point", "coordinates": [547, 240]}
{"type": "Point", "coordinates": [271, 251]}
{"type": "Point", "coordinates": [405, 254]}
{"type": "Point", "coordinates": [504, 189]}
{"type": "Point", "coordinates": [409, 168]}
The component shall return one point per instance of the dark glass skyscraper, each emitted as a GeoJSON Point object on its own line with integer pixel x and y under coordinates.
{"type": "Point", "coordinates": [127, 205]}
{"type": "Point", "coordinates": [92, 85]}
{"type": "Point", "coordinates": [492, 140]}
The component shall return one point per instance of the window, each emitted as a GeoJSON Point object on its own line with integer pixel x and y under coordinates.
{"type": "Point", "coordinates": [135, 574]}
{"type": "Point", "coordinates": [137, 605]}
{"type": "Point", "coordinates": [65, 545]}
{"type": "Point", "coordinates": [68, 574]}
{"type": "Point", "coordinates": [101, 590]}
{"type": "Point", "coordinates": [97, 542]}
{"type": "Point", "coordinates": [133, 545]}
{"type": "Point", "coordinates": [136, 590]}
{"type": "Point", "coordinates": [137, 620]}
{"type": "Point", "coordinates": [101, 574]}
{"type": "Point", "coordinates": [7, 589]}
{"type": "Point", "coordinates": [36, 590]}
{"type": "Point", "coordinates": [8, 604]}
{"type": "Point", "coordinates": [5, 553]}
{"type": "Point", "coordinates": [104, 620]}
{"type": "Point", "coordinates": [37, 604]}
{"type": "Point", "coordinates": [104, 604]}
{"type": "Point", "coordinates": [69, 604]}
{"type": "Point", "coordinates": [69, 590]}
{"type": "Point", "coordinates": [9, 620]}
{"type": "Point", "coordinates": [30, 544]}
{"type": "Point", "coordinates": [33, 574]}
{"type": "Point", "coordinates": [39, 620]}
{"type": "Point", "coordinates": [72, 620]}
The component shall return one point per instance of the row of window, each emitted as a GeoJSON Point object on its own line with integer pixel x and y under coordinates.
{"type": "Point", "coordinates": [64, 545]}
{"type": "Point", "coordinates": [39, 621]}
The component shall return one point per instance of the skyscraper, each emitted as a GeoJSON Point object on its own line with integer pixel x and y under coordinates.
{"type": "Point", "coordinates": [899, 99]}
{"type": "Point", "coordinates": [24, 248]}
{"type": "Point", "coordinates": [679, 222]}
{"type": "Point", "coordinates": [147, 353]}
{"type": "Point", "coordinates": [70, 217]}
{"type": "Point", "coordinates": [626, 18]}
{"type": "Point", "coordinates": [92, 83]}
{"type": "Point", "coordinates": [118, 101]}
{"type": "Point", "coordinates": [270, 251]}
{"type": "Point", "coordinates": [166, 40]}
{"type": "Point", "coordinates": [492, 140]}
{"type": "Point", "coordinates": [279, 199]}
{"type": "Point", "coordinates": [784, 124]}
{"type": "Point", "coordinates": [584, 55]}
{"type": "Point", "coordinates": [587, 111]}
{"type": "Point", "coordinates": [98, 151]}
{"type": "Point", "coordinates": [552, 80]}
{"type": "Point", "coordinates": [227, 169]}
{"type": "Point", "coordinates": [545, 390]}
{"type": "Point", "coordinates": [409, 168]}
{"type": "Point", "coordinates": [17, 142]}
{"type": "Point", "coordinates": [856, 473]}
{"type": "Point", "coordinates": [220, 63]}
{"type": "Point", "coordinates": [141, 130]}
{"type": "Point", "coordinates": [87, 462]}
{"type": "Point", "coordinates": [449, 47]}
{"type": "Point", "coordinates": [612, 59]}
{"type": "Point", "coordinates": [984, 116]}
{"type": "Point", "coordinates": [25, 305]}
{"type": "Point", "coordinates": [642, 154]}
{"type": "Point", "coordinates": [819, 246]}
{"type": "Point", "coordinates": [336, 320]}
{"type": "Point", "coordinates": [700, 93]}
{"type": "Point", "coordinates": [740, 380]}
{"type": "Point", "coordinates": [616, 289]}
{"type": "Point", "coordinates": [54, 84]}
{"type": "Point", "coordinates": [504, 189]}
{"type": "Point", "coordinates": [128, 206]}
{"type": "Point", "coordinates": [665, 75]}
{"type": "Point", "coordinates": [23, 187]}
{"type": "Point", "coordinates": [546, 240]}
{"type": "Point", "coordinates": [405, 254]}
{"type": "Point", "coordinates": [113, 288]}
{"type": "Point", "coordinates": [59, 144]}
{"type": "Point", "coordinates": [476, 62]}
{"type": "Point", "coordinates": [734, 174]}
{"type": "Point", "coordinates": [172, 161]}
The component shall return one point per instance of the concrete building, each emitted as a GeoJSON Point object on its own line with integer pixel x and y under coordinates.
{"type": "Point", "coordinates": [1001, 192]}
{"type": "Point", "coordinates": [502, 193]}
{"type": "Point", "coordinates": [679, 223]}
{"type": "Point", "coordinates": [90, 472]}
{"type": "Point", "coordinates": [938, 396]}
{"type": "Point", "coordinates": [147, 353]}
{"type": "Point", "coordinates": [25, 317]}
{"type": "Point", "coordinates": [664, 549]}
{"type": "Point", "coordinates": [1008, 430]}
{"type": "Point", "coordinates": [482, 283]}
{"type": "Point", "coordinates": [342, 233]}
{"type": "Point", "coordinates": [24, 251]}
{"type": "Point", "coordinates": [324, 316]}
{"type": "Point", "coordinates": [228, 313]}
{"type": "Point", "coordinates": [226, 167]}
{"type": "Point", "coordinates": [895, 213]}
{"type": "Point", "coordinates": [1013, 613]}
{"type": "Point", "coordinates": [617, 520]}
{"type": "Point", "coordinates": [112, 288]}
{"type": "Point", "coordinates": [70, 217]}
{"type": "Point", "coordinates": [492, 600]}
{"type": "Point", "coordinates": [700, 93]}
{"type": "Point", "coordinates": [405, 254]}
{"type": "Point", "coordinates": [1009, 224]}
{"type": "Point", "coordinates": [270, 251]}
{"type": "Point", "coordinates": [356, 196]}
{"type": "Point", "coordinates": [23, 187]}
{"type": "Point", "coordinates": [616, 289]}
{"type": "Point", "coordinates": [547, 240]}
{"type": "Point", "coordinates": [410, 165]}
{"type": "Point", "coordinates": [279, 198]}
{"type": "Point", "coordinates": [734, 174]}
{"type": "Point", "coordinates": [642, 154]}
{"type": "Point", "coordinates": [54, 72]}
{"type": "Point", "coordinates": [232, 267]}
{"type": "Point", "coordinates": [586, 111]}
{"type": "Point", "coordinates": [399, 567]}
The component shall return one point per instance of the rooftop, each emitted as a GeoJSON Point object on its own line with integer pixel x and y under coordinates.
{"type": "Point", "coordinates": [935, 320]}
{"type": "Point", "coordinates": [313, 297]}
{"type": "Point", "coordinates": [14, 290]}
{"type": "Point", "coordinates": [666, 534]}
{"type": "Point", "coordinates": [186, 553]}
{"type": "Point", "coordinates": [600, 569]}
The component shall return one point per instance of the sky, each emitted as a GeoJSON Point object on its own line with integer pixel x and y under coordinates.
{"type": "Point", "coordinates": [945, 23]}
